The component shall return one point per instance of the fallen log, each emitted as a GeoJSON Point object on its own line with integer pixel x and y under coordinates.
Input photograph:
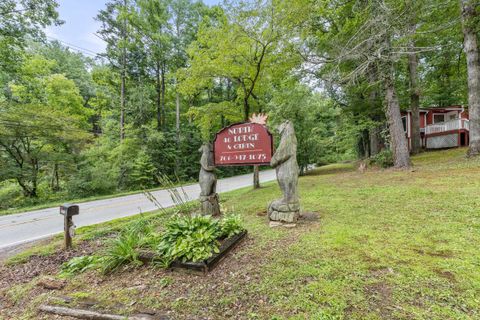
{"type": "Point", "coordinates": [89, 315]}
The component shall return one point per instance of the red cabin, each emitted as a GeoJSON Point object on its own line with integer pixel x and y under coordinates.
{"type": "Point", "coordinates": [439, 127]}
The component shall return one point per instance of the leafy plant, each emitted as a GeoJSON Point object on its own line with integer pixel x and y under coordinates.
{"type": "Point", "coordinates": [189, 238]}
{"type": "Point", "coordinates": [231, 225]}
{"type": "Point", "coordinates": [78, 265]}
{"type": "Point", "coordinates": [383, 159]}
{"type": "Point", "coordinates": [124, 249]}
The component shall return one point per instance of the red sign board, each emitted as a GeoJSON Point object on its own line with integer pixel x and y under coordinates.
{"type": "Point", "coordinates": [243, 144]}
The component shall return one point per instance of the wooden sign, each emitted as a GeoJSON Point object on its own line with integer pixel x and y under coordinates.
{"type": "Point", "coordinates": [242, 144]}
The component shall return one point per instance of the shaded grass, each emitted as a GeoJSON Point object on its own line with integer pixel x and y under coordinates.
{"type": "Point", "coordinates": [389, 245]}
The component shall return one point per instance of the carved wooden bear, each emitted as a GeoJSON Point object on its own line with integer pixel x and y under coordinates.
{"type": "Point", "coordinates": [284, 161]}
{"type": "Point", "coordinates": [208, 182]}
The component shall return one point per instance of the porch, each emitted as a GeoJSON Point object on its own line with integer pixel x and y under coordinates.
{"type": "Point", "coordinates": [451, 125]}
{"type": "Point", "coordinates": [448, 134]}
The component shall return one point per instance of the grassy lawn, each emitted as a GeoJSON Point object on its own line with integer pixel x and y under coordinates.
{"type": "Point", "coordinates": [388, 245]}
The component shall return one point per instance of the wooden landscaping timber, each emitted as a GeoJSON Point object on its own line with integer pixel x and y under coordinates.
{"type": "Point", "coordinates": [208, 265]}
{"type": "Point", "coordinates": [86, 314]}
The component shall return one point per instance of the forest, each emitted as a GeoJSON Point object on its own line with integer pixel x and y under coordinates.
{"type": "Point", "coordinates": [75, 124]}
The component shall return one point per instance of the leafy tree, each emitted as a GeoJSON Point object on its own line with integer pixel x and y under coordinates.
{"type": "Point", "coordinates": [117, 32]}
{"type": "Point", "coordinates": [21, 20]}
{"type": "Point", "coordinates": [152, 23]}
{"type": "Point", "coordinates": [72, 65]}
{"type": "Point", "coordinates": [42, 122]}
{"type": "Point", "coordinates": [315, 119]}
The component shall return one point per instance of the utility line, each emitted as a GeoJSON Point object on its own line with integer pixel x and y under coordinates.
{"type": "Point", "coordinates": [75, 47]}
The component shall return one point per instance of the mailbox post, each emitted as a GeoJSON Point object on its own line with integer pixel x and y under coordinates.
{"type": "Point", "coordinates": [68, 211]}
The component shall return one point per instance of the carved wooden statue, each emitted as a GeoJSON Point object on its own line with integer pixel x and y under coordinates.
{"type": "Point", "coordinates": [208, 182]}
{"type": "Point", "coordinates": [287, 208]}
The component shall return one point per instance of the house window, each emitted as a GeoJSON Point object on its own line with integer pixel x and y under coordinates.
{"type": "Point", "coordinates": [404, 121]}
{"type": "Point", "coordinates": [438, 118]}
{"type": "Point", "coordinates": [453, 116]}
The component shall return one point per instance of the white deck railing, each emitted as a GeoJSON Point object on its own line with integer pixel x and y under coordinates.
{"type": "Point", "coordinates": [456, 124]}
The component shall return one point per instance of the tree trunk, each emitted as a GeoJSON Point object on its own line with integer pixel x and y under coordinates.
{"type": "Point", "coordinates": [365, 144]}
{"type": "Point", "coordinates": [87, 314]}
{"type": "Point", "coordinates": [256, 177]}
{"type": "Point", "coordinates": [162, 73]}
{"type": "Point", "coordinates": [375, 140]}
{"type": "Point", "coordinates": [122, 107]}
{"type": "Point", "coordinates": [123, 76]}
{"type": "Point", "coordinates": [470, 46]}
{"type": "Point", "coordinates": [256, 171]}
{"type": "Point", "coordinates": [177, 118]}
{"type": "Point", "coordinates": [177, 131]}
{"type": "Point", "coordinates": [246, 109]}
{"type": "Point", "coordinates": [401, 157]}
{"type": "Point", "coordinates": [55, 185]}
{"type": "Point", "coordinates": [27, 192]}
{"type": "Point", "coordinates": [158, 88]}
{"type": "Point", "coordinates": [414, 97]}
{"type": "Point", "coordinates": [374, 135]}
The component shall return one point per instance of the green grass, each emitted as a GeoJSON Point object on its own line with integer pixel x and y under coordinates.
{"type": "Point", "coordinates": [389, 245]}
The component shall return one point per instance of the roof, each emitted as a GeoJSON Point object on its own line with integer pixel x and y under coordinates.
{"type": "Point", "coordinates": [449, 108]}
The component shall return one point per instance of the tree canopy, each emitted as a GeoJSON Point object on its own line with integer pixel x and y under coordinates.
{"type": "Point", "coordinates": [176, 71]}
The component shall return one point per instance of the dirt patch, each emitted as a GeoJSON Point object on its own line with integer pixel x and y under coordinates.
{"type": "Point", "coordinates": [306, 217]}
{"type": "Point", "coordinates": [380, 272]}
{"type": "Point", "coordinates": [447, 275]}
{"type": "Point", "coordinates": [379, 298]}
{"type": "Point", "coordinates": [440, 254]}
{"type": "Point", "coordinates": [36, 265]}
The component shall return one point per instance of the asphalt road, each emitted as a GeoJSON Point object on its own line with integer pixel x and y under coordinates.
{"type": "Point", "coordinates": [20, 228]}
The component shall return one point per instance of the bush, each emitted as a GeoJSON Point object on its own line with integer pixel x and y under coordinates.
{"type": "Point", "coordinates": [10, 194]}
{"type": "Point", "coordinates": [122, 251]}
{"type": "Point", "coordinates": [231, 225]}
{"type": "Point", "coordinates": [189, 238]}
{"type": "Point", "coordinates": [383, 159]}
{"type": "Point", "coordinates": [95, 179]}
{"type": "Point", "coordinates": [195, 238]}
{"type": "Point", "coordinates": [125, 249]}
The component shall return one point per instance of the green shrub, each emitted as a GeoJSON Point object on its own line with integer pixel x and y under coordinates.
{"type": "Point", "coordinates": [195, 238]}
{"type": "Point", "coordinates": [383, 159]}
{"type": "Point", "coordinates": [122, 251]}
{"type": "Point", "coordinates": [231, 225]}
{"type": "Point", "coordinates": [189, 238]}
{"type": "Point", "coordinates": [125, 249]}
{"type": "Point", "coordinates": [10, 194]}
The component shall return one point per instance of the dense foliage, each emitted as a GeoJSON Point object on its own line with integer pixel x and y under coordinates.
{"type": "Point", "coordinates": [174, 72]}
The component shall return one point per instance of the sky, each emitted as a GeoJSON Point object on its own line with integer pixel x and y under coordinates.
{"type": "Point", "coordinates": [78, 31]}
